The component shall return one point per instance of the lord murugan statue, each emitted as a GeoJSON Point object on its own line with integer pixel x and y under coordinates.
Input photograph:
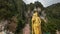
{"type": "Point", "coordinates": [36, 23]}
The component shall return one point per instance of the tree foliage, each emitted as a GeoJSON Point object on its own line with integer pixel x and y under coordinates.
{"type": "Point", "coordinates": [10, 8]}
{"type": "Point", "coordinates": [53, 15]}
{"type": "Point", "coordinates": [7, 9]}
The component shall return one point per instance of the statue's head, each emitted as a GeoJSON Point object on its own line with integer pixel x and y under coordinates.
{"type": "Point", "coordinates": [36, 12]}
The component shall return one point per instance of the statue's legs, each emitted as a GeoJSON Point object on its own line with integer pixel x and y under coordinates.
{"type": "Point", "coordinates": [36, 30]}
{"type": "Point", "coordinates": [40, 30]}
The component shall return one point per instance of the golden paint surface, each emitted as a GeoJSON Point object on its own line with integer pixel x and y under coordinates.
{"type": "Point", "coordinates": [36, 24]}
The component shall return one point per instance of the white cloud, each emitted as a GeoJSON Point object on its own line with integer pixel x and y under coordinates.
{"type": "Point", "coordinates": [29, 1]}
{"type": "Point", "coordinates": [45, 3]}
{"type": "Point", "coordinates": [48, 2]}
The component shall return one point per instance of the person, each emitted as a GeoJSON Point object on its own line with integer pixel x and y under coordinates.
{"type": "Point", "coordinates": [36, 23]}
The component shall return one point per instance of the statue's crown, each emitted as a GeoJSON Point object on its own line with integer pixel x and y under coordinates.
{"type": "Point", "coordinates": [35, 9]}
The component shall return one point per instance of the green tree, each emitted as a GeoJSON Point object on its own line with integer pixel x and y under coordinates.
{"type": "Point", "coordinates": [53, 15]}
{"type": "Point", "coordinates": [7, 9]}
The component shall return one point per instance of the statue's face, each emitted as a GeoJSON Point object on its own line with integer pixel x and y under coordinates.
{"type": "Point", "coordinates": [35, 14]}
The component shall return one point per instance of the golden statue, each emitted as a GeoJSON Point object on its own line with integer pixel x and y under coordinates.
{"type": "Point", "coordinates": [36, 24]}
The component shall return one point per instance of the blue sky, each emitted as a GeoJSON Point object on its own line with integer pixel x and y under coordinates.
{"type": "Point", "coordinates": [45, 3]}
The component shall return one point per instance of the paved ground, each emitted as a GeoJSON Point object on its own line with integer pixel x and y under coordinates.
{"type": "Point", "coordinates": [2, 32]}
{"type": "Point", "coordinates": [26, 30]}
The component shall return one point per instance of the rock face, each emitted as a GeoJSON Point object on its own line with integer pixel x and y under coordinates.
{"type": "Point", "coordinates": [2, 32]}
{"type": "Point", "coordinates": [57, 32]}
{"type": "Point", "coordinates": [12, 27]}
{"type": "Point", "coordinates": [2, 25]}
{"type": "Point", "coordinates": [26, 30]}
{"type": "Point", "coordinates": [8, 25]}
